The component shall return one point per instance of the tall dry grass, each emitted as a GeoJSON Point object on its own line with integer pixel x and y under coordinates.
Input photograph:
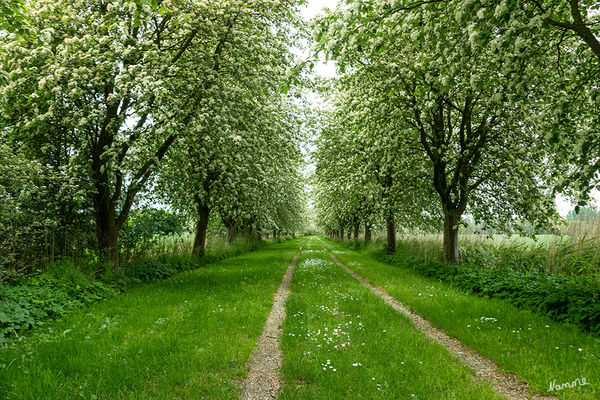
{"type": "Point", "coordinates": [576, 250]}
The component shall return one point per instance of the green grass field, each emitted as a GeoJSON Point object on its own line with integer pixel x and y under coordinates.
{"type": "Point", "coordinates": [535, 348]}
{"type": "Point", "coordinates": [189, 337]}
{"type": "Point", "coordinates": [342, 342]}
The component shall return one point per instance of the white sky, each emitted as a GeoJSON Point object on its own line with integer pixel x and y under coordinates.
{"type": "Point", "coordinates": [314, 7]}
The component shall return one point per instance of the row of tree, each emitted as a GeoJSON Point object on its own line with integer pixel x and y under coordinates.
{"type": "Point", "coordinates": [108, 103]}
{"type": "Point", "coordinates": [448, 108]}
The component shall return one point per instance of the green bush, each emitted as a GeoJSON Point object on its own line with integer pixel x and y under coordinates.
{"type": "Point", "coordinates": [40, 297]}
{"type": "Point", "coordinates": [147, 227]}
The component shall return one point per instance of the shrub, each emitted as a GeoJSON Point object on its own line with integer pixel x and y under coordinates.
{"type": "Point", "coordinates": [147, 228]}
{"type": "Point", "coordinates": [41, 297]}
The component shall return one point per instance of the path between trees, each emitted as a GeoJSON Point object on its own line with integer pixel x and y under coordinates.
{"type": "Point", "coordinates": [263, 381]}
{"type": "Point", "coordinates": [505, 384]}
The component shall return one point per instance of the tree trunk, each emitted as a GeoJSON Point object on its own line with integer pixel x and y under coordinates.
{"type": "Point", "coordinates": [201, 225]}
{"type": "Point", "coordinates": [356, 227]}
{"type": "Point", "coordinates": [230, 234]}
{"type": "Point", "coordinates": [367, 233]}
{"type": "Point", "coordinates": [107, 228]}
{"type": "Point", "coordinates": [349, 233]}
{"type": "Point", "coordinates": [342, 234]}
{"type": "Point", "coordinates": [108, 241]}
{"type": "Point", "coordinates": [391, 233]}
{"type": "Point", "coordinates": [451, 237]}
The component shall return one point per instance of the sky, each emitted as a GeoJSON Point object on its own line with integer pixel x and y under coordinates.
{"type": "Point", "coordinates": [312, 9]}
{"type": "Point", "coordinates": [315, 7]}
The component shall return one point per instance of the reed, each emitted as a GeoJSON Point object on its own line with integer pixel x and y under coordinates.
{"type": "Point", "coordinates": [574, 251]}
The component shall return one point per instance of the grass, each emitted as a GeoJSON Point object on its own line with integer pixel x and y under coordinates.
{"type": "Point", "coordinates": [190, 337]}
{"type": "Point", "coordinates": [159, 340]}
{"type": "Point", "coordinates": [342, 342]}
{"type": "Point", "coordinates": [534, 347]}
{"type": "Point", "coordinates": [503, 239]}
{"type": "Point", "coordinates": [577, 254]}
{"type": "Point", "coordinates": [66, 284]}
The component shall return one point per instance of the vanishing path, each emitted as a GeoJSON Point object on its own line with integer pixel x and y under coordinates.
{"type": "Point", "coordinates": [507, 385]}
{"type": "Point", "coordinates": [329, 334]}
{"type": "Point", "coordinates": [263, 381]}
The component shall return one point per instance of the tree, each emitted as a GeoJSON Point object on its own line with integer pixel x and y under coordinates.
{"type": "Point", "coordinates": [244, 141]}
{"type": "Point", "coordinates": [587, 214]}
{"type": "Point", "coordinates": [363, 174]}
{"type": "Point", "coordinates": [120, 80]}
{"type": "Point", "coordinates": [559, 39]}
{"type": "Point", "coordinates": [456, 110]}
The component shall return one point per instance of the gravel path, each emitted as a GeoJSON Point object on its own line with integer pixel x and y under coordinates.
{"type": "Point", "coordinates": [505, 384]}
{"type": "Point", "coordinates": [263, 381]}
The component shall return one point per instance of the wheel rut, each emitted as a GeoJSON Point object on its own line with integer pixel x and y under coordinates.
{"type": "Point", "coordinates": [505, 384]}
{"type": "Point", "coordinates": [264, 381]}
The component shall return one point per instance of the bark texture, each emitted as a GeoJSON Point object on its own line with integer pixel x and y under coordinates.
{"type": "Point", "coordinates": [391, 233]}
{"type": "Point", "coordinates": [451, 238]}
{"type": "Point", "coordinates": [367, 233]}
{"type": "Point", "coordinates": [201, 225]}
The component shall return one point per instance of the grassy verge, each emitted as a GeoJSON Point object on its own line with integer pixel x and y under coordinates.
{"type": "Point", "coordinates": [532, 346]}
{"type": "Point", "coordinates": [31, 300]}
{"type": "Point", "coordinates": [342, 342]}
{"type": "Point", "coordinates": [160, 340]}
{"type": "Point", "coordinates": [573, 299]}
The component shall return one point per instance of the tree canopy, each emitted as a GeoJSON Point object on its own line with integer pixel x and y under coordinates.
{"type": "Point", "coordinates": [468, 87]}
{"type": "Point", "coordinates": [101, 92]}
{"type": "Point", "coordinates": [440, 111]}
